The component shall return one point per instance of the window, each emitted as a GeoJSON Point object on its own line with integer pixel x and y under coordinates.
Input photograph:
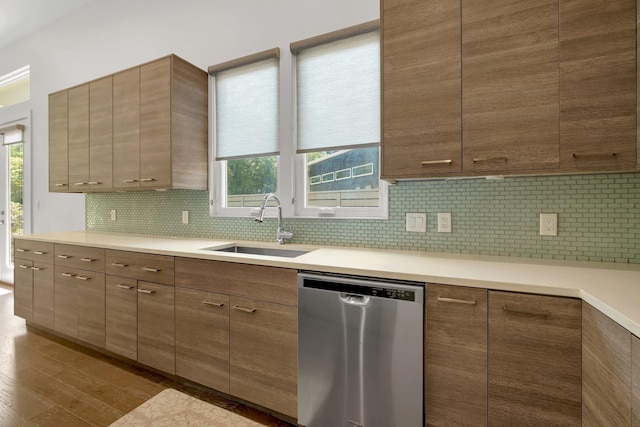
{"type": "Point", "coordinates": [246, 123]}
{"type": "Point", "coordinates": [12, 141]}
{"type": "Point", "coordinates": [14, 87]}
{"type": "Point", "coordinates": [338, 124]}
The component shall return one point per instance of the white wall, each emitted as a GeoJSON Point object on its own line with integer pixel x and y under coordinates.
{"type": "Point", "coordinates": [105, 36]}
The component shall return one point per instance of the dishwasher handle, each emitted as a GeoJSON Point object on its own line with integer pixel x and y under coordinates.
{"type": "Point", "coordinates": [354, 299]}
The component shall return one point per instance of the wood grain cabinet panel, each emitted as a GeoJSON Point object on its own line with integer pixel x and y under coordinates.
{"type": "Point", "coordinates": [80, 257]}
{"type": "Point", "coordinates": [456, 356]}
{"type": "Point", "coordinates": [33, 250]}
{"type": "Point", "coordinates": [121, 316]}
{"type": "Point", "coordinates": [606, 371]}
{"type": "Point", "coordinates": [140, 266]}
{"type": "Point", "coordinates": [156, 326]}
{"type": "Point", "coordinates": [421, 91]}
{"type": "Point", "coordinates": [510, 85]}
{"type": "Point", "coordinates": [264, 352]}
{"type": "Point", "coordinates": [635, 372]}
{"type": "Point", "coordinates": [202, 338]}
{"type": "Point", "coordinates": [598, 80]}
{"type": "Point", "coordinates": [43, 295]}
{"type": "Point", "coordinates": [58, 142]}
{"type": "Point", "coordinates": [79, 138]}
{"type": "Point", "coordinates": [126, 129]}
{"type": "Point", "coordinates": [91, 302]}
{"type": "Point", "coordinates": [534, 360]}
{"type": "Point", "coordinates": [65, 305]}
{"type": "Point", "coordinates": [101, 134]}
{"type": "Point", "coordinates": [23, 288]}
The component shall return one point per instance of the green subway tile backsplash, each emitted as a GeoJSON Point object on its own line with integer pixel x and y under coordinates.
{"type": "Point", "coordinates": [598, 216]}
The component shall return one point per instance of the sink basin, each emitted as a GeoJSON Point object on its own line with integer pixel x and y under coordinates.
{"type": "Point", "coordinates": [288, 253]}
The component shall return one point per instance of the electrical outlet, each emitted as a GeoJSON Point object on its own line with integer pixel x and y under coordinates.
{"type": "Point", "coordinates": [444, 222]}
{"type": "Point", "coordinates": [185, 217]}
{"type": "Point", "coordinates": [113, 214]}
{"type": "Point", "coordinates": [416, 222]}
{"type": "Point", "coordinates": [548, 224]}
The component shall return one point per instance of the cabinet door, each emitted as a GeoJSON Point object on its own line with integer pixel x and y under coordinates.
{"type": "Point", "coordinates": [606, 371]}
{"type": "Point", "coordinates": [122, 316]}
{"type": "Point", "coordinates": [65, 306]}
{"type": "Point", "coordinates": [155, 124]}
{"type": "Point", "coordinates": [510, 80]}
{"type": "Point", "coordinates": [43, 295]}
{"type": "Point", "coordinates": [101, 134]}
{"type": "Point", "coordinates": [91, 307]}
{"type": "Point", "coordinates": [635, 369]}
{"type": "Point", "coordinates": [23, 289]}
{"type": "Point", "coordinates": [202, 338]}
{"type": "Point", "coordinates": [598, 84]}
{"type": "Point", "coordinates": [264, 354]}
{"type": "Point", "coordinates": [534, 359]}
{"type": "Point", "coordinates": [421, 88]}
{"type": "Point", "coordinates": [156, 328]}
{"type": "Point", "coordinates": [126, 129]}
{"type": "Point", "coordinates": [79, 138]}
{"type": "Point", "coordinates": [456, 356]}
{"type": "Point", "coordinates": [58, 142]}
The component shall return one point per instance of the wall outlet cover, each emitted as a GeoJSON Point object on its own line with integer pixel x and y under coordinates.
{"type": "Point", "coordinates": [444, 222]}
{"type": "Point", "coordinates": [548, 224]}
{"type": "Point", "coordinates": [113, 214]}
{"type": "Point", "coordinates": [185, 217]}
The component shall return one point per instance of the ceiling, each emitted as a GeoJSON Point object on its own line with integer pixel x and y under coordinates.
{"type": "Point", "coordinates": [19, 18]}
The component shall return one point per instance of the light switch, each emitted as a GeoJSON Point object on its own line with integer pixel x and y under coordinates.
{"type": "Point", "coordinates": [416, 222]}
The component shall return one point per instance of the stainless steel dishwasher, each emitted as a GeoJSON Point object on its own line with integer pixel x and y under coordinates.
{"type": "Point", "coordinates": [360, 351]}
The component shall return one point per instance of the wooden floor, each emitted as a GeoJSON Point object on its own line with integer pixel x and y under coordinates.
{"type": "Point", "coordinates": [46, 381]}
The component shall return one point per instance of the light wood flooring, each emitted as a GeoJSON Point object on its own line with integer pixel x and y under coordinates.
{"type": "Point", "coordinates": [47, 381]}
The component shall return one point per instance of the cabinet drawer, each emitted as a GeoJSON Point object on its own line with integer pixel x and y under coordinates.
{"type": "Point", "coordinates": [82, 257]}
{"type": "Point", "coordinates": [34, 250]}
{"type": "Point", "coordinates": [147, 267]}
{"type": "Point", "coordinates": [272, 284]}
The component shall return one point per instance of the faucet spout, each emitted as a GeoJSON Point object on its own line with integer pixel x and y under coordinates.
{"type": "Point", "coordinates": [281, 234]}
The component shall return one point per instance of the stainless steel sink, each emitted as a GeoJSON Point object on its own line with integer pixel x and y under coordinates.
{"type": "Point", "coordinates": [288, 253]}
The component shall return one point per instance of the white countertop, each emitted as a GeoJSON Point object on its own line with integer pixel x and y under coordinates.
{"type": "Point", "coordinates": [614, 289]}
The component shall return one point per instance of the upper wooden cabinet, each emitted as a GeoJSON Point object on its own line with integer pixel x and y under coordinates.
{"type": "Point", "coordinates": [421, 93]}
{"type": "Point", "coordinates": [508, 87]}
{"type": "Point", "coordinates": [142, 128]}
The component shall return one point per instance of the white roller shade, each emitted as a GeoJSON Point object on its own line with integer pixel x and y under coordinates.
{"type": "Point", "coordinates": [247, 110]}
{"type": "Point", "coordinates": [12, 135]}
{"type": "Point", "coordinates": [338, 94]}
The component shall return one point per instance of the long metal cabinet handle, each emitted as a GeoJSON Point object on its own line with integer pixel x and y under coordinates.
{"type": "Point", "coordinates": [129, 181]}
{"type": "Point", "coordinates": [87, 259]}
{"type": "Point", "coordinates": [80, 183]}
{"type": "Point", "coordinates": [83, 277]}
{"type": "Point", "coordinates": [146, 291]}
{"type": "Point", "coordinates": [489, 159]}
{"type": "Point", "coordinates": [456, 301]}
{"type": "Point", "coordinates": [576, 155]}
{"type": "Point", "coordinates": [245, 309]}
{"type": "Point", "coordinates": [436, 162]}
{"type": "Point", "coordinates": [64, 256]}
{"type": "Point", "coordinates": [94, 182]}
{"type": "Point", "coordinates": [22, 250]}
{"type": "Point", "coordinates": [527, 313]}
{"type": "Point", "coordinates": [39, 253]}
{"type": "Point", "coordinates": [24, 266]}
{"type": "Point", "coordinates": [37, 268]}
{"type": "Point", "coordinates": [217, 304]}
{"type": "Point", "coordinates": [67, 274]}
{"type": "Point", "coordinates": [60, 185]}
{"type": "Point", "coordinates": [153, 270]}
{"type": "Point", "coordinates": [124, 287]}
{"type": "Point", "coordinates": [117, 264]}
{"type": "Point", "coordinates": [147, 179]}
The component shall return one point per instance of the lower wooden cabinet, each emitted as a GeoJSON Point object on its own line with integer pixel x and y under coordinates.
{"type": "Point", "coordinates": [606, 371]}
{"type": "Point", "coordinates": [43, 295]}
{"type": "Point", "coordinates": [456, 356]}
{"type": "Point", "coordinates": [121, 326]}
{"type": "Point", "coordinates": [65, 306]}
{"type": "Point", "coordinates": [202, 337]}
{"type": "Point", "coordinates": [156, 326]}
{"type": "Point", "coordinates": [635, 390]}
{"type": "Point", "coordinates": [23, 289]}
{"type": "Point", "coordinates": [534, 360]}
{"type": "Point", "coordinates": [264, 354]}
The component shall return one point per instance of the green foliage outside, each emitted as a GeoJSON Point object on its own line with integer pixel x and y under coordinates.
{"type": "Point", "coordinates": [256, 175]}
{"type": "Point", "coordinates": [16, 174]}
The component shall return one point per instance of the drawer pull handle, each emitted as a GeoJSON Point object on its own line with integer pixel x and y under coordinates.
{"type": "Point", "coordinates": [60, 185]}
{"type": "Point", "coordinates": [147, 179]}
{"type": "Point", "coordinates": [117, 264]}
{"type": "Point", "coordinates": [37, 268]}
{"type": "Point", "coordinates": [436, 162]}
{"type": "Point", "coordinates": [22, 250]}
{"type": "Point", "coordinates": [64, 256]}
{"type": "Point", "coordinates": [94, 183]}
{"type": "Point", "coordinates": [129, 181]}
{"type": "Point", "coordinates": [80, 183]}
{"type": "Point", "coordinates": [83, 277]}
{"type": "Point", "coordinates": [456, 301]}
{"type": "Point", "coordinates": [577, 155]}
{"type": "Point", "coordinates": [516, 312]}
{"type": "Point", "coordinates": [245, 309]}
{"type": "Point", "coordinates": [217, 304]}
{"type": "Point", "coordinates": [39, 253]}
{"type": "Point", "coordinates": [128, 288]}
{"type": "Point", "coordinates": [68, 274]}
{"type": "Point", "coordinates": [24, 266]}
{"type": "Point", "coordinates": [87, 259]}
{"type": "Point", "coordinates": [146, 291]}
{"type": "Point", "coordinates": [153, 270]}
{"type": "Point", "coordinates": [490, 159]}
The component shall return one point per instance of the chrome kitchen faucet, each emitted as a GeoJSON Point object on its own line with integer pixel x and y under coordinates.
{"type": "Point", "coordinates": [281, 234]}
